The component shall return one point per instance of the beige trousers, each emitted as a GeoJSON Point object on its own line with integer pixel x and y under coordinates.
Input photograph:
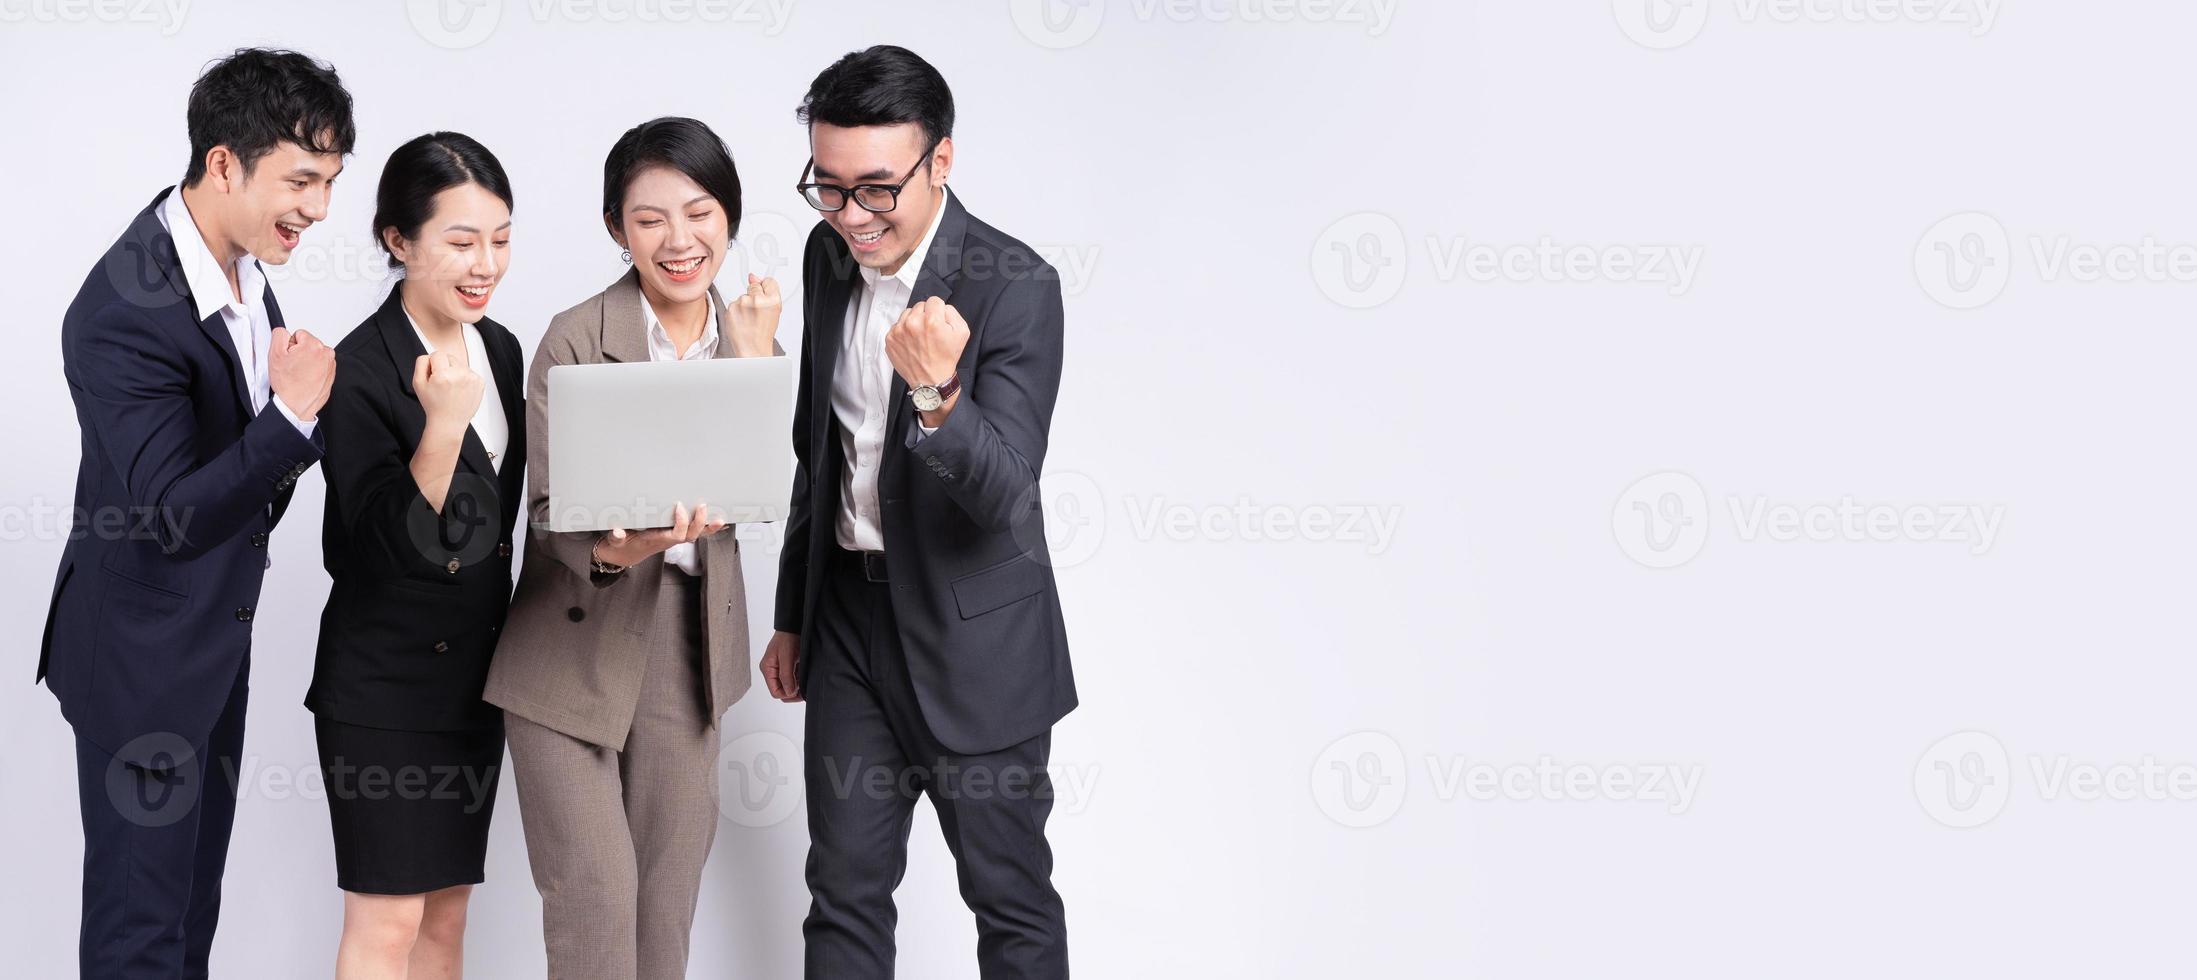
{"type": "Point", "coordinates": [617, 839]}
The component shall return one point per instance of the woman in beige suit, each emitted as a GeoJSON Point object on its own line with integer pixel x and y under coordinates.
{"type": "Point", "coordinates": [622, 650]}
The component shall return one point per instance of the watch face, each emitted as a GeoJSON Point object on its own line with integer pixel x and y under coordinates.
{"type": "Point", "coordinates": [926, 399]}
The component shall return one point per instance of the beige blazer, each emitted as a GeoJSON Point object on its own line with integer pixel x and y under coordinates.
{"type": "Point", "coordinates": [576, 643]}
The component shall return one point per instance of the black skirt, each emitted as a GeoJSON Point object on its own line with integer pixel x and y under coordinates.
{"type": "Point", "coordinates": [410, 810]}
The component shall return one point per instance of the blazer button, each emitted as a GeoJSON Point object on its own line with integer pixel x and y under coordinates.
{"type": "Point", "coordinates": [503, 550]}
{"type": "Point", "coordinates": [244, 615]}
{"type": "Point", "coordinates": [930, 461]}
{"type": "Point", "coordinates": [441, 647]}
{"type": "Point", "coordinates": [259, 540]}
{"type": "Point", "coordinates": [575, 614]}
{"type": "Point", "coordinates": [453, 567]}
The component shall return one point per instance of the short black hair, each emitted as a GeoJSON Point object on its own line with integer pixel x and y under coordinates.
{"type": "Point", "coordinates": [685, 145]}
{"type": "Point", "coordinates": [423, 168]}
{"type": "Point", "coordinates": [881, 86]}
{"type": "Point", "coordinates": [258, 97]}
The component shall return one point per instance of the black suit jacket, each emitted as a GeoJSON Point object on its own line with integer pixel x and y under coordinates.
{"type": "Point", "coordinates": [179, 484]}
{"type": "Point", "coordinates": [972, 581]}
{"type": "Point", "coordinates": [419, 598]}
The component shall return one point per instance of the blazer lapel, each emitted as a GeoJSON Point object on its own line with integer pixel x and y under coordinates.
{"type": "Point", "coordinates": [160, 245]}
{"type": "Point", "coordinates": [405, 350]}
{"type": "Point", "coordinates": [941, 266]}
{"type": "Point", "coordinates": [625, 329]}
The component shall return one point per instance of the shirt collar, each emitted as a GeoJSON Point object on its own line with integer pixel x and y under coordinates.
{"type": "Point", "coordinates": [660, 339]}
{"type": "Point", "coordinates": [912, 269]}
{"type": "Point", "coordinates": [201, 271]}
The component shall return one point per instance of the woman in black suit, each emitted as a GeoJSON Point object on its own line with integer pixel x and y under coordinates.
{"type": "Point", "coordinates": [426, 451]}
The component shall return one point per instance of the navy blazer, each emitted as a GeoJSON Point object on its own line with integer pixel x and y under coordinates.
{"type": "Point", "coordinates": [419, 596]}
{"type": "Point", "coordinates": [972, 579]}
{"type": "Point", "coordinates": [179, 484]}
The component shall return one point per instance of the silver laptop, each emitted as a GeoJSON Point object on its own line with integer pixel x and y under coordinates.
{"type": "Point", "coordinates": [627, 441]}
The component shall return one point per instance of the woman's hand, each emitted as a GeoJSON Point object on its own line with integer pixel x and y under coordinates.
{"type": "Point", "coordinates": [448, 390]}
{"type": "Point", "coordinates": [755, 318]}
{"type": "Point", "coordinates": [620, 547]}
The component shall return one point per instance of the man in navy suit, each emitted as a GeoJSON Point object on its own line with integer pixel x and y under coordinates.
{"type": "Point", "coordinates": [197, 409]}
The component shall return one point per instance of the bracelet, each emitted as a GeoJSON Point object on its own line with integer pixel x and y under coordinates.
{"type": "Point", "coordinates": [596, 562]}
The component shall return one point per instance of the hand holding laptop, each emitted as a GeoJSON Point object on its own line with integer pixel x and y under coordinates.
{"type": "Point", "coordinates": [620, 547]}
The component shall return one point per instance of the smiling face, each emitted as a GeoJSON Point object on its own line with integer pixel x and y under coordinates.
{"type": "Point", "coordinates": [677, 233]}
{"type": "Point", "coordinates": [851, 155]}
{"type": "Point", "coordinates": [265, 212]}
{"type": "Point", "coordinates": [461, 253]}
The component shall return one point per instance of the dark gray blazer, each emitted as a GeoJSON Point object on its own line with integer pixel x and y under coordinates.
{"type": "Point", "coordinates": [964, 533]}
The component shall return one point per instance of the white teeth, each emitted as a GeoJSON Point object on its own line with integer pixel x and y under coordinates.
{"type": "Point", "coordinates": [871, 237]}
{"type": "Point", "coordinates": [682, 266]}
{"type": "Point", "coordinates": [473, 290]}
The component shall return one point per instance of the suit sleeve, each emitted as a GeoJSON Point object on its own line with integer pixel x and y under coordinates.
{"type": "Point", "coordinates": [369, 474]}
{"type": "Point", "coordinates": [575, 550]}
{"type": "Point", "coordinates": [132, 388]}
{"type": "Point", "coordinates": [793, 552]}
{"type": "Point", "coordinates": [989, 452]}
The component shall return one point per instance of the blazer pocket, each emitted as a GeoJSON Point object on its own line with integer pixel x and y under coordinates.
{"type": "Point", "coordinates": [982, 591]}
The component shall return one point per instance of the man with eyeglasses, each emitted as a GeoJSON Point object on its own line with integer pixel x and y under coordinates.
{"type": "Point", "coordinates": [917, 614]}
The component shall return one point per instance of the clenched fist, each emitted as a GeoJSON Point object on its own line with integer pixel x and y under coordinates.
{"type": "Point", "coordinates": [301, 370]}
{"type": "Point", "coordinates": [448, 390]}
{"type": "Point", "coordinates": [925, 346]}
{"type": "Point", "coordinates": [755, 318]}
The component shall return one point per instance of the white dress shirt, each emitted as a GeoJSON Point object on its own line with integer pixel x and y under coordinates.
{"type": "Point", "coordinates": [862, 380]}
{"type": "Point", "coordinates": [488, 421]}
{"type": "Point", "coordinates": [660, 348]}
{"type": "Point", "coordinates": [250, 328]}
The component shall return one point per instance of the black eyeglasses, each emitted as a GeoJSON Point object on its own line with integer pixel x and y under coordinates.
{"type": "Point", "coordinates": [874, 198]}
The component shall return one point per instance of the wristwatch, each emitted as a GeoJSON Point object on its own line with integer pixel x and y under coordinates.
{"type": "Point", "coordinates": [929, 397]}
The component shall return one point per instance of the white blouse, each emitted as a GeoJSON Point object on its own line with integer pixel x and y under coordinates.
{"type": "Point", "coordinates": [488, 422]}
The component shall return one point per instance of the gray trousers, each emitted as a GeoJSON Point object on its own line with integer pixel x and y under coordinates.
{"type": "Point", "coordinates": [616, 839]}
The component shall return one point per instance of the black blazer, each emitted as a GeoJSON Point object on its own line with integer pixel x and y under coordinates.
{"type": "Point", "coordinates": [418, 598]}
{"type": "Point", "coordinates": [178, 486]}
{"type": "Point", "coordinates": [972, 580]}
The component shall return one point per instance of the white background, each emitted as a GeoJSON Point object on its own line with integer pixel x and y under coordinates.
{"type": "Point", "coordinates": [1257, 206]}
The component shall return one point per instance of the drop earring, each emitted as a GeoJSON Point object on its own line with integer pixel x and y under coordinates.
{"type": "Point", "coordinates": [627, 255]}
